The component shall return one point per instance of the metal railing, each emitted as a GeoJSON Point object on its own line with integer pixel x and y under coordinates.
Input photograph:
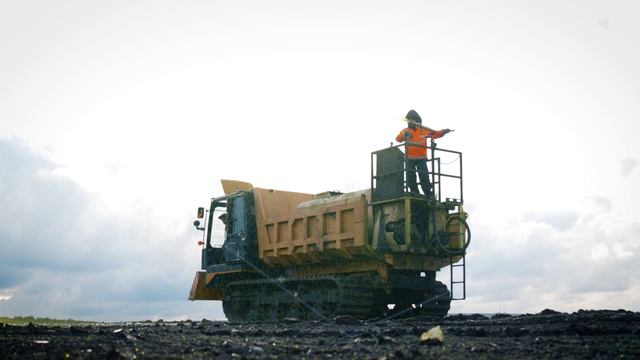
{"type": "Point", "coordinates": [435, 170]}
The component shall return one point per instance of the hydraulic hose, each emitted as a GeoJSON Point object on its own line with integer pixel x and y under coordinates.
{"type": "Point", "coordinates": [464, 247]}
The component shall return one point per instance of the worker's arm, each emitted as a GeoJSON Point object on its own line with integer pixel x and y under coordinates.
{"type": "Point", "coordinates": [403, 135]}
{"type": "Point", "coordinates": [435, 134]}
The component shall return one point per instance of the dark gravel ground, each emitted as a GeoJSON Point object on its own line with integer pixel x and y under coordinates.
{"type": "Point", "coordinates": [547, 335]}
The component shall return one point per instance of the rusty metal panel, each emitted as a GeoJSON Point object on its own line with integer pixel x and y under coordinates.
{"type": "Point", "coordinates": [200, 291]}
{"type": "Point", "coordinates": [231, 186]}
{"type": "Point", "coordinates": [274, 209]}
{"type": "Point", "coordinates": [325, 224]}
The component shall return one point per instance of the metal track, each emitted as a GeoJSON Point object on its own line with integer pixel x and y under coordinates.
{"type": "Point", "coordinates": [324, 297]}
{"type": "Point", "coordinates": [437, 301]}
{"type": "Point", "coordinates": [300, 297]}
{"type": "Point", "coordinates": [434, 301]}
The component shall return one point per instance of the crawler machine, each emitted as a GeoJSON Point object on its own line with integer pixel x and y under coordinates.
{"type": "Point", "coordinates": [272, 254]}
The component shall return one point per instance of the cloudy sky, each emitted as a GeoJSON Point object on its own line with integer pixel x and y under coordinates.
{"type": "Point", "coordinates": [118, 118]}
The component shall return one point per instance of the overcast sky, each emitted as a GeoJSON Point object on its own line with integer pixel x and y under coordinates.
{"type": "Point", "coordinates": [119, 118]}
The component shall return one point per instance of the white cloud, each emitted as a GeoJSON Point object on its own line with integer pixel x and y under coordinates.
{"type": "Point", "coordinates": [627, 165]}
{"type": "Point", "coordinates": [599, 252]}
{"type": "Point", "coordinates": [565, 268]}
{"type": "Point", "coordinates": [6, 294]}
{"type": "Point", "coordinates": [561, 221]}
{"type": "Point", "coordinates": [63, 255]}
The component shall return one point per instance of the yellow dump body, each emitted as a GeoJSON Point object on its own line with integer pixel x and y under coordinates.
{"type": "Point", "coordinates": [302, 229]}
{"type": "Point", "coordinates": [299, 227]}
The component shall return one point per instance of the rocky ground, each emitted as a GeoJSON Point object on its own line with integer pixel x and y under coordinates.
{"type": "Point", "coordinates": [547, 335]}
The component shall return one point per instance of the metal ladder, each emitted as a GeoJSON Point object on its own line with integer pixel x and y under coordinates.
{"type": "Point", "coordinates": [457, 283]}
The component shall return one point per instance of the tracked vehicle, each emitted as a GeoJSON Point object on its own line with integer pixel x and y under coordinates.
{"type": "Point", "coordinates": [272, 254]}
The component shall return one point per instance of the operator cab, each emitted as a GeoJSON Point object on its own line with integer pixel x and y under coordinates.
{"type": "Point", "coordinates": [228, 231]}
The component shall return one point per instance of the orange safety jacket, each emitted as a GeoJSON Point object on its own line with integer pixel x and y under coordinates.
{"type": "Point", "coordinates": [418, 138]}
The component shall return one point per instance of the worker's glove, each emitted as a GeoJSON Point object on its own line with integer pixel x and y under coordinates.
{"type": "Point", "coordinates": [446, 131]}
{"type": "Point", "coordinates": [433, 145]}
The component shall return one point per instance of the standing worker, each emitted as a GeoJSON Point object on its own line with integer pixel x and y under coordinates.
{"type": "Point", "coordinates": [415, 137]}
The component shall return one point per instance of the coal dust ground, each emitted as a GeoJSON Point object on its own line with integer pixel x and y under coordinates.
{"type": "Point", "coordinates": [546, 335]}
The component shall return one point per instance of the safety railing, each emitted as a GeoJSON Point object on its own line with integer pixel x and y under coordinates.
{"type": "Point", "coordinates": [391, 168]}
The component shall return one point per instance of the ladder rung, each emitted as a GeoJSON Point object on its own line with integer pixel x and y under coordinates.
{"type": "Point", "coordinates": [462, 282]}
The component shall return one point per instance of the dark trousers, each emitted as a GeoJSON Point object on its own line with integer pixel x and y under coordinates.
{"type": "Point", "coordinates": [419, 166]}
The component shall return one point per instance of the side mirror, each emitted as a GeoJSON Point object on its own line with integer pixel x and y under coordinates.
{"type": "Point", "coordinates": [197, 225]}
{"type": "Point", "coordinates": [200, 212]}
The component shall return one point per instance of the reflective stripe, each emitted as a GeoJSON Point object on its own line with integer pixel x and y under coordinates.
{"type": "Point", "coordinates": [419, 139]}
